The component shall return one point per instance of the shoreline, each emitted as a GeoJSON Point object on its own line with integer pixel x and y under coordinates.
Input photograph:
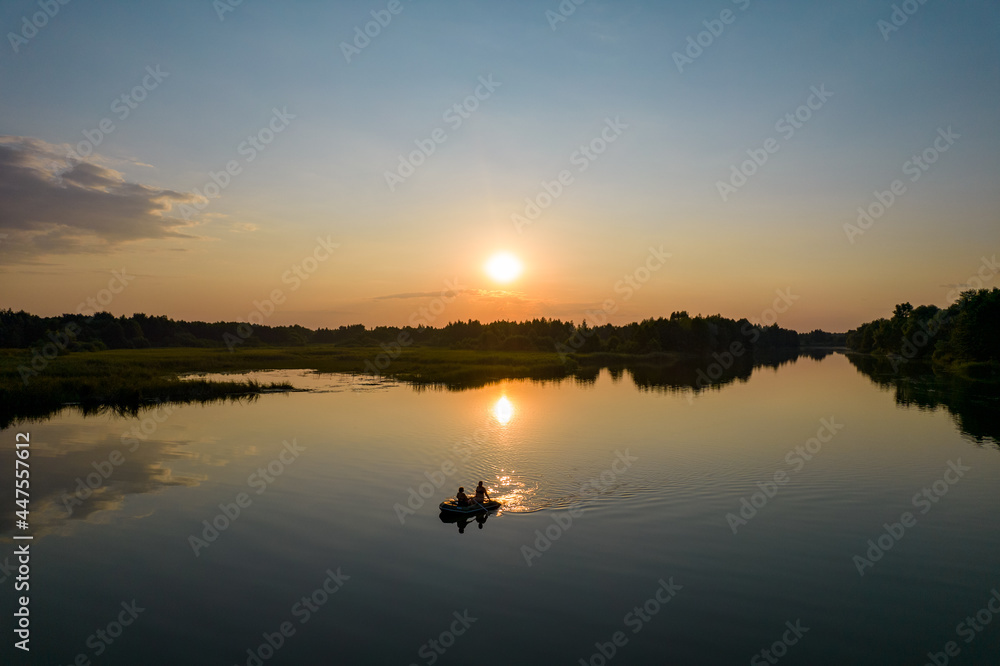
{"type": "Point", "coordinates": [127, 379]}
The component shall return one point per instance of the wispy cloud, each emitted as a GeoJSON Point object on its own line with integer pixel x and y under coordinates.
{"type": "Point", "coordinates": [423, 294]}
{"type": "Point", "coordinates": [473, 294]}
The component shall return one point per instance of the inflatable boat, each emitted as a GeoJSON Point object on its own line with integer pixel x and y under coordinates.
{"type": "Point", "coordinates": [452, 506]}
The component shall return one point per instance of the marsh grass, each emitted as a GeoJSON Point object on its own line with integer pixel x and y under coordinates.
{"type": "Point", "coordinates": [122, 381]}
{"type": "Point", "coordinates": [127, 379]}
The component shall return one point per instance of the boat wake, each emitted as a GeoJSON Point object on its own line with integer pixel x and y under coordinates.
{"type": "Point", "coordinates": [522, 492]}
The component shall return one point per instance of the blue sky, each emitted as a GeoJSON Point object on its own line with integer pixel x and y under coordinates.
{"type": "Point", "coordinates": [657, 184]}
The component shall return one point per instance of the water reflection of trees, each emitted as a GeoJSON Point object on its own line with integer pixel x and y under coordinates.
{"type": "Point", "coordinates": [16, 413]}
{"type": "Point", "coordinates": [650, 372]}
{"type": "Point", "coordinates": [974, 404]}
{"type": "Point", "coordinates": [710, 373]}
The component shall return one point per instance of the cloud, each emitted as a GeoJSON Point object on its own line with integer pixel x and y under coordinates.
{"type": "Point", "coordinates": [424, 294]}
{"type": "Point", "coordinates": [52, 204]}
{"type": "Point", "coordinates": [504, 298]}
{"type": "Point", "coordinates": [477, 294]}
{"type": "Point", "coordinates": [469, 303]}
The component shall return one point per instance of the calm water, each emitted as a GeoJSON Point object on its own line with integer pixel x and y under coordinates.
{"type": "Point", "coordinates": [621, 508]}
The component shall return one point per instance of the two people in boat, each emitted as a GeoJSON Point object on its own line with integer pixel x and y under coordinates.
{"type": "Point", "coordinates": [481, 495]}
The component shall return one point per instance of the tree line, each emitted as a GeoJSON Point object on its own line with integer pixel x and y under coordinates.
{"type": "Point", "coordinates": [679, 333]}
{"type": "Point", "coordinates": [962, 333]}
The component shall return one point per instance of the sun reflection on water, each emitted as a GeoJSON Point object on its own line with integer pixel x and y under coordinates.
{"type": "Point", "coordinates": [503, 410]}
{"type": "Point", "coordinates": [508, 486]}
{"type": "Point", "coordinates": [513, 492]}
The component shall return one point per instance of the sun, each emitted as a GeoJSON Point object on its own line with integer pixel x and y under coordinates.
{"type": "Point", "coordinates": [503, 267]}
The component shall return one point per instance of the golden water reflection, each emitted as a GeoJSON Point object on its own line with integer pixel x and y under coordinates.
{"type": "Point", "coordinates": [503, 410]}
{"type": "Point", "coordinates": [513, 492]}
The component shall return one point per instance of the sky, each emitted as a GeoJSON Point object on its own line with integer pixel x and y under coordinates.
{"type": "Point", "coordinates": [327, 164]}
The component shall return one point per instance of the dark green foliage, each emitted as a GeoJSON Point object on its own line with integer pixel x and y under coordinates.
{"type": "Point", "coordinates": [680, 333]}
{"type": "Point", "coordinates": [964, 334]}
{"type": "Point", "coordinates": [818, 338]}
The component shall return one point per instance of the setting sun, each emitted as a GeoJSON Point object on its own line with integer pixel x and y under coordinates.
{"type": "Point", "coordinates": [503, 267]}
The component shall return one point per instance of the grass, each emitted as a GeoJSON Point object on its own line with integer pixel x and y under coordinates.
{"type": "Point", "coordinates": [121, 380]}
{"type": "Point", "coordinates": [127, 379]}
{"type": "Point", "coordinates": [325, 358]}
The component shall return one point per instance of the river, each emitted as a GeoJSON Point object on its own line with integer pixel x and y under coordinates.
{"type": "Point", "coordinates": [823, 510]}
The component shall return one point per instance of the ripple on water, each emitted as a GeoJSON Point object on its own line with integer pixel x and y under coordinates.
{"type": "Point", "coordinates": [553, 485]}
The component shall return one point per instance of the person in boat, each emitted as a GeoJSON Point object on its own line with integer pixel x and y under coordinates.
{"type": "Point", "coordinates": [463, 499]}
{"type": "Point", "coordinates": [481, 494]}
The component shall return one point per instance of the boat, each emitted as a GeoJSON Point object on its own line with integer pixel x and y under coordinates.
{"type": "Point", "coordinates": [452, 506]}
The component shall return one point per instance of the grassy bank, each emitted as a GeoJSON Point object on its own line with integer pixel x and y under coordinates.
{"type": "Point", "coordinates": [420, 364]}
{"type": "Point", "coordinates": [979, 370]}
{"type": "Point", "coordinates": [126, 379]}
{"type": "Point", "coordinates": [123, 381]}
{"type": "Point", "coordinates": [982, 371]}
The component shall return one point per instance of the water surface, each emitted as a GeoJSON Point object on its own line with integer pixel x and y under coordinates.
{"type": "Point", "coordinates": [621, 496]}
